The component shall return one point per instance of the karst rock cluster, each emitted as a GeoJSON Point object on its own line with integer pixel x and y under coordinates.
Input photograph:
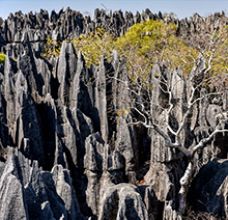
{"type": "Point", "coordinates": [66, 151]}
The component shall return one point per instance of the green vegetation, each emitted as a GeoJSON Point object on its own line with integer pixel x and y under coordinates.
{"type": "Point", "coordinates": [123, 112]}
{"type": "Point", "coordinates": [143, 45]}
{"type": "Point", "coordinates": [52, 48]}
{"type": "Point", "coordinates": [149, 42]}
{"type": "Point", "coordinates": [94, 45]}
{"type": "Point", "coordinates": [219, 51]}
{"type": "Point", "coordinates": [2, 58]}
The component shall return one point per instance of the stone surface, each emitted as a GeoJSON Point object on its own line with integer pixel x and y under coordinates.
{"type": "Point", "coordinates": [209, 188]}
{"type": "Point", "coordinates": [70, 144]}
{"type": "Point", "coordinates": [122, 202]}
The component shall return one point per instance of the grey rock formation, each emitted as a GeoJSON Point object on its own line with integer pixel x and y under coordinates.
{"type": "Point", "coordinates": [65, 190]}
{"type": "Point", "coordinates": [122, 202]}
{"type": "Point", "coordinates": [71, 146]}
{"type": "Point", "coordinates": [12, 192]}
{"type": "Point", "coordinates": [28, 192]}
{"type": "Point", "coordinates": [209, 189]}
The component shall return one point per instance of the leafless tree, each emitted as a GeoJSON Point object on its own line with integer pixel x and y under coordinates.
{"type": "Point", "coordinates": [174, 135]}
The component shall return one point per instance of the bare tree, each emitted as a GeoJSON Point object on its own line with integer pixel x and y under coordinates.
{"type": "Point", "coordinates": [183, 95]}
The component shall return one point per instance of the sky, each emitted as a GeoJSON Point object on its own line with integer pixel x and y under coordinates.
{"type": "Point", "coordinates": [182, 8]}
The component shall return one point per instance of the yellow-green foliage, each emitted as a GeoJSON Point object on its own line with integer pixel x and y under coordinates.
{"type": "Point", "coordinates": [2, 58]}
{"type": "Point", "coordinates": [143, 45]}
{"type": "Point", "coordinates": [179, 54]}
{"type": "Point", "coordinates": [94, 45]}
{"type": "Point", "coordinates": [219, 52]}
{"type": "Point", "coordinates": [123, 112]}
{"type": "Point", "coordinates": [152, 41]}
{"type": "Point", "coordinates": [52, 48]}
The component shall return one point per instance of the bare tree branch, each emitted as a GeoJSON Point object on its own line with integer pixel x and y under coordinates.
{"type": "Point", "coordinates": [204, 141]}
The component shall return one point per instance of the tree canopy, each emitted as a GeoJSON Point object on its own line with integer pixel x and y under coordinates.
{"type": "Point", "coordinates": [147, 43]}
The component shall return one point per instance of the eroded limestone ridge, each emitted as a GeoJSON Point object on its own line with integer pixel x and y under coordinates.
{"type": "Point", "coordinates": [88, 143]}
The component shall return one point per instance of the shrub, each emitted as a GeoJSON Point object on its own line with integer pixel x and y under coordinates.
{"type": "Point", "coordinates": [2, 58]}
{"type": "Point", "coordinates": [219, 49]}
{"type": "Point", "coordinates": [94, 45]}
{"type": "Point", "coordinates": [52, 48]}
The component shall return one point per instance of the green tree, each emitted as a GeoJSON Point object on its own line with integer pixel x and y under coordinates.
{"type": "Point", "coordinates": [94, 45]}
{"type": "Point", "coordinates": [152, 41]}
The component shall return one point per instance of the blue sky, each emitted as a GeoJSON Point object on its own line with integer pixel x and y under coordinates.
{"type": "Point", "coordinates": [182, 8]}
